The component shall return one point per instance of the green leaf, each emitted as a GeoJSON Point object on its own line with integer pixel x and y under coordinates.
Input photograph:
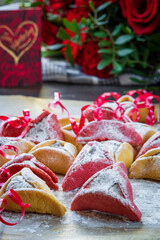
{"type": "Point", "coordinates": [53, 17]}
{"type": "Point", "coordinates": [103, 6]}
{"type": "Point", "coordinates": [102, 17]}
{"type": "Point", "coordinates": [69, 56]}
{"type": "Point", "coordinates": [117, 67]}
{"type": "Point", "coordinates": [124, 39]}
{"type": "Point", "coordinates": [36, 4]}
{"type": "Point", "coordinates": [124, 52]}
{"type": "Point", "coordinates": [7, 1]}
{"type": "Point", "coordinates": [106, 50]}
{"type": "Point", "coordinates": [104, 43]}
{"type": "Point", "coordinates": [102, 23]}
{"type": "Point", "coordinates": [55, 46]}
{"type": "Point", "coordinates": [62, 34]}
{"type": "Point", "coordinates": [104, 63]}
{"type": "Point", "coordinates": [140, 39]}
{"type": "Point", "coordinates": [100, 34]}
{"type": "Point", "coordinates": [91, 5]}
{"type": "Point", "coordinates": [72, 26]}
{"type": "Point", "coordinates": [50, 54]}
{"type": "Point", "coordinates": [117, 30]}
{"type": "Point", "coordinates": [134, 79]}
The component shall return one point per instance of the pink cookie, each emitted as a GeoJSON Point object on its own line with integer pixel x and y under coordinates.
{"type": "Point", "coordinates": [152, 142]}
{"type": "Point", "coordinates": [108, 114]}
{"type": "Point", "coordinates": [110, 191]}
{"type": "Point", "coordinates": [93, 157]}
{"type": "Point", "coordinates": [44, 127]}
{"type": "Point", "coordinates": [29, 161]}
{"type": "Point", "coordinates": [109, 130]}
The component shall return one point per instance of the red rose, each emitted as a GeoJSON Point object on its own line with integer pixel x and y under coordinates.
{"type": "Point", "coordinates": [75, 48]}
{"type": "Point", "coordinates": [49, 32]}
{"type": "Point", "coordinates": [57, 4]}
{"type": "Point", "coordinates": [89, 58]}
{"type": "Point", "coordinates": [77, 13]}
{"type": "Point", "coordinates": [142, 15]}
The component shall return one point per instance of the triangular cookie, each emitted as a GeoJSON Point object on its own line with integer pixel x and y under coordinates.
{"type": "Point", "coordinates": [29, 161]}
{"type": "Point", "coordinates": [109, 130]}
{"type": "Point", "coordinates": [147, 165]}
{"type": "Point", "coordinates": [93, 157]}
{"type": "Point", "coordinates": [152, 142]}
{"type": "Point", "coordinates": [57, 155]}
{"type": "Point", "coordinates": [44, 127]}
{"type": "Point", "coordinates": [34, 191]}
{"type": "Point", "coordinates": [110, 191]}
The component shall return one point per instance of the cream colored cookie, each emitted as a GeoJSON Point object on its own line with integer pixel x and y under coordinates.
{"type": "Point", "coordinates": [121, 152]}
{"type": "Point", "coordinates": [128, 108]}
{"type": "Point", "coordinates": [143, 114]}
{"type": "Point", "coordinates": [66, 121]}
{"type": "Point", "coordinates": [34, 191]}
{"type": "Point", "coordinates": [144, 130]}
{"type": "Point", "coordinates": [125, 98]}
{"type": "Point", "coordinates": [57, 155]}
{"type": "Point", "coordinates": [70, 136]}
{"type": "Point", "coordinates": [23, 146]}
{"type": "Point", "coordinates": [147, 165]}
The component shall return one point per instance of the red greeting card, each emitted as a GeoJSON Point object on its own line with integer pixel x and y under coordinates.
{"type": "Point", "coordinates": [20, 47]}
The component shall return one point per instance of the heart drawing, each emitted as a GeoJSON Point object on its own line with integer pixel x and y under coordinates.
{"type": "Point", "coordinates": [19, 42]}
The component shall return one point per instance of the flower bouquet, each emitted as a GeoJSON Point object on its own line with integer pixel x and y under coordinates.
{"type": "Point", "coordinates": [105, 38]}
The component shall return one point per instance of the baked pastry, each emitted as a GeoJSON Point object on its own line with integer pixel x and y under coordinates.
{"type": "Point", "coordinates": [107, 111]}
{"type": "Point", "coordinates": [147, 165]}
{"type": "Point", "coordinates": [127, 104]}
{"type": "Point", "coordinates": [93, 157]}
{"type": "Point", "coordinates": [57, 155]}
{"type": "Point", "coordinates": [29, 161]}
{"type": "Point", "coordinates": [152, 142]}
{"type": "Point", "coordinates": [121, 152]}
{"type": "Point", "coordinates": [70, 136]}
{"type": "Point", "coordinates": [23, 146]}
{"type": "Point", "coordinates": [109, 130]}
{"type": "Point", "coordinates": [34, 191]}
{"type": "Point", "coordinates": [66, 121]}
{"type": "Point", "coordinates": [144, 130]}
{"type": "Point", "coordinates": [44, 127]}
{"type": "Point", "coordinates": [110, 191]}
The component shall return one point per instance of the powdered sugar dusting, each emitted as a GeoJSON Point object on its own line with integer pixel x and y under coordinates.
{"type": "Point", "coordinates": [106, 182]}
{"type": "Point", "coordinates": [92, 152]}
{"type": "Point", "coordinates": [94, 225]}
{"type": "Point", "coordinates": [18, 182]}
{"type": "Point", "coordinates": [38, 133]}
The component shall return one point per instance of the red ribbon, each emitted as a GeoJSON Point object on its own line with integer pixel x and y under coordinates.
{"type": "Point", "coordinates": [103, 98]}
{"type": "Point", "coordinates": [98, 114]}
{"type": "Point", "coordinates": [7, 174]}
{"type": "Point", "coordinates": [57, 102]}
{"type": "Point", "coordinates": [144, 100]}
{"type": "Point", "coordinates": [7, 155]}
{"type": "Point", "coordinates": [13, 195]}
{"type": "Point", "coordinates": [18, 122]}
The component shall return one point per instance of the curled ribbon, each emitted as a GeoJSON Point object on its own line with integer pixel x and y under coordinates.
{"type": "Point", "coordinates": [5, 174]}
{"type": "Point", "coordinates": [17, 122]}
{"type": "Point", "coordinates": [57, 102]}
{"type": "Point", "coordinates": [103, 98]}
{"type": "Point", "coordinates": [144, 100]}
{"type": "Point", "coordinates": [7, 155]}
{"type": "Point", "coordinates": [13, 195]}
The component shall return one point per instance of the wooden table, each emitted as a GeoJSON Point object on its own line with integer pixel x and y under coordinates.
{"type": "Point", "coordinates": [78, 225]}
{"type": "Point", "coordinates": [69, 91]}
